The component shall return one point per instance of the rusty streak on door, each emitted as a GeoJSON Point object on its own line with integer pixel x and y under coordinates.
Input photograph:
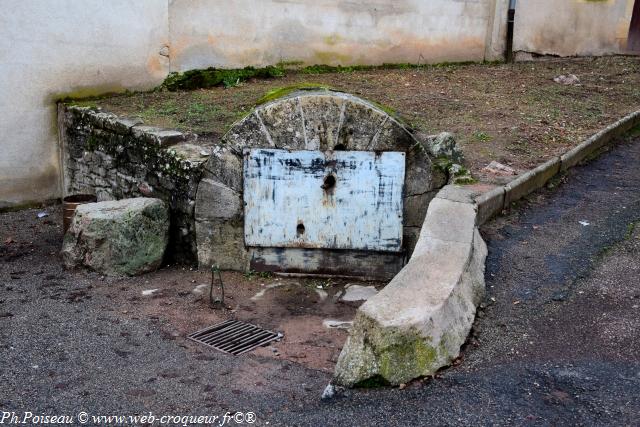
{"type": "Point", "coordinates": [332, 200]}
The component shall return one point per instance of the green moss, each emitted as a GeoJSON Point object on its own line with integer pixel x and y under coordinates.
{"type": "Point", "coordinates": [443, 164]}
{"type": "Point", "coordinates": [328, 56]}
{"type": "Point", "coordinates": [89, 103]}
{"type": "Point", "coordinates": [93, 143]}
{"type": "Point", "coordinates": [389, 110]}
{"type": "Point", "coordinates": [210, 77]}
{"type": "Point", "coordinates": [412, 354]}
{"type": "Point", "coordinates": [130, 150]}
{"type": "Point", "coordinates": [325, 69]}
{"type": "Point", "coordinates": [630, 227]}
{"type": "Point", "coordinates": [482, 136]}
{"type": "Point", "coordinates": [87, 94]}
{"type": "Point", "coordinates": [464, 180]}
{"type": "Point", "coordinates": [290, 64]}
{"type": "Point", "coordinates": [280, 92]}
{"type": "Point", "coordinates": [462, 171]}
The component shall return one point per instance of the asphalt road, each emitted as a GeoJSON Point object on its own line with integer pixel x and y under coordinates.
{"type": "Point", "coordinates": [557, 341]}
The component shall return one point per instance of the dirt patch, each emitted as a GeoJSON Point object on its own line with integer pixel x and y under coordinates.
{"type": "Point", "coordinates": [513, 113]}
{"type": "Point", "coordinates": [176, 298]}
{"type": "Point", "coordinates": [295, 307]}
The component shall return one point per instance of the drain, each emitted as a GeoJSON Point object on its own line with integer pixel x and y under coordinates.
{"type": "Point", "coordinates": [234, 337]}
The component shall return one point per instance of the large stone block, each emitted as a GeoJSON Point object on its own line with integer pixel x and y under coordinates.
{"type": "Point", "coordinates": [417, 323]}
{"type": "Point", "coordinates": [221, 243]}
{"type": "Point", "coordinates": [421, 176]}
{"type": "Point", "coordinates": [217, 201]}
{"type": "Point", "coordinates": [155, 135]}
{"type": "Point", "coordinates": [124, 237]}
{"type": "Point", "coordinates": [415, 208]}
{"type": "Point", "coordinates": [224, 166]}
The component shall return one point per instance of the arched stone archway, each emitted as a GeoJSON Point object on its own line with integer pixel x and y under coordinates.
{"type": "Point", "coordinates": [305, 120]}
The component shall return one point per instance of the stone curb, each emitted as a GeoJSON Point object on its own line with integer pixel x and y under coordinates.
{"type": "Point", "coordinates": [530, 181]}
{"type": "Point", "coordinates": [489, 204]}
{"type": "Point", "coordinates": [494, 201]}
{"type": "Point", "coordinates": [597, 141]}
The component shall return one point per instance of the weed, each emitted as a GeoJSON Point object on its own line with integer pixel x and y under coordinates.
{"type": "Point", "coordinates": [482, 136]}
{"type": "Point", "coordinates": [634, 132]}
{"type": "Point", "coordinates": [630, 227]}
{"type": "Point", "coordinates": [196, 79]}
{"type": "Point", "coordinates": [251, 274]}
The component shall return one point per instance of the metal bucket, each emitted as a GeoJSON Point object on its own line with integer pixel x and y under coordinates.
{"type": "Point", "coordinates": [69, 205]}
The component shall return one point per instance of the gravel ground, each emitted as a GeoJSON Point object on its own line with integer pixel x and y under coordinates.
{"type": "Point", "coordinates": [556, 343]}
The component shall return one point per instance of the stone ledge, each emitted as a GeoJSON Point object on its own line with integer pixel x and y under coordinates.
{"type": "Point", "coordinates": [117, 157]}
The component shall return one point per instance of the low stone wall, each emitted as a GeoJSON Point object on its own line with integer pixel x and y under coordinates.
{"type": "Point", "coordinates": [116, 158]}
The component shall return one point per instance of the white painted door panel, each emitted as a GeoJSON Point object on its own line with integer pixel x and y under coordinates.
{"type": "Point", "coordinates": [291, 202]}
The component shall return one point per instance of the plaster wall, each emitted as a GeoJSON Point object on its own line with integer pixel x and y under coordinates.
{"type": "Point", "coordinates": [572, 27]}
{"type": "Point", "coordinates": [334, 32]}
{"type": "Point", "coordinates": [56, 48]}
{"type": "Point", "coordinates": [51, 49]}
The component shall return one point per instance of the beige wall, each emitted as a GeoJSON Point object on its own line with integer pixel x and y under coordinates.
{"type": "Point", "coordinates": [53, 48]}
{"type": "Point", "coordinates": [572, 27]}
{"type": "Point", "coordinates": [247, 32]}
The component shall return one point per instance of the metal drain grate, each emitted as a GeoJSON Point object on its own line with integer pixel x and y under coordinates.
{"type": "Point", "coordinates": [234, 337]}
